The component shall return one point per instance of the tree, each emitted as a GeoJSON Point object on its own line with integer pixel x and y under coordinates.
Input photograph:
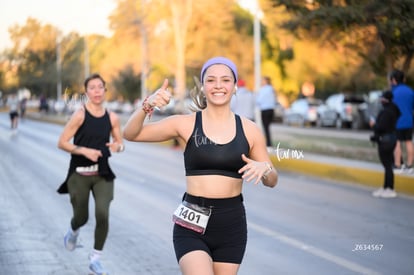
{"type": "Point", "coordinates": [72, 57]}
{"type": "Point", "coordinates": [181, 11]}
{"type": "Point", "coordinates": [128, 84]}
{"type": "Point", "coordinates": [35, 53]}
{"type": "Point", "coordinates": [8, 76]}
{"type": "Point", "coordinates": [187, 25]}
{"type": "Point", "coordinates": [361, 25]}
{"type": "Point", "coordinates": [180, 36]}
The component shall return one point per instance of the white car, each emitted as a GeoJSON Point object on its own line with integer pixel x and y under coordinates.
{"type": "Point", "coordinates": [302, 112]}
{"type": "Point", "coordinates": [342, 110]}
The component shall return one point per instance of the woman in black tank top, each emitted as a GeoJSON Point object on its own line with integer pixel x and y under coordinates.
{"type": "Point", "coordinates": [90, 127]}
{"type": "Point", "coordinates": [221, 151]}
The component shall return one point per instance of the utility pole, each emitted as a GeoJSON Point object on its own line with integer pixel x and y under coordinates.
{"type": "Point", "coordinates": [86, 56]}
{"type": "Point", "coordinates": [143, 60]}
{"type": "Point", "coordinates": [58, 67]}
{"type": "Point", "coordinates": [143, 51]}
{"type": "Point", "coordinates": [257, 58]}
{"type": "Point", "coordinates": [257, 54]}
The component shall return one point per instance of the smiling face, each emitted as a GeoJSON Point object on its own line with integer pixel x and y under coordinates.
{"type": "Point", "coordinates": [218, 84]}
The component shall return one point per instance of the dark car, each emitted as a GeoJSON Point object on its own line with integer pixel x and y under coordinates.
{"type": "Point", "coordinates": [302, 112]}
{"type": "Point", "coordinates": [279, 112]}
{"type": "Point", "coordinates": [342, 111]}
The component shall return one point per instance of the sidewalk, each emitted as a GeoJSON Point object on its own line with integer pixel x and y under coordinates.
{"type": "Point", "coordinates": [333, 168]}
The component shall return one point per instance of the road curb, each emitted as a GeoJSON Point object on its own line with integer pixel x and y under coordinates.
{"type": "Point", "coordinates": [348, 174]}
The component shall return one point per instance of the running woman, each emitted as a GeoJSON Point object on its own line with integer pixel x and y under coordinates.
{"type": "Point", "coordinates": [221, 151]}
{"type": "Point", "coordinates": [91, 127]}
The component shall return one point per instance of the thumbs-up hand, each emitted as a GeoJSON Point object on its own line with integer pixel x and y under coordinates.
{"type": "Point", "coordinates": [161, 97]}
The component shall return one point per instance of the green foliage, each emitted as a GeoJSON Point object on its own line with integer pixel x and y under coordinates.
{"type": "Point", "coordinates": [2, 81]}
{"type": "Point", "coordinates": [37, 71]}
{"type": "Point", "coordinates": [128, 84]}
{"type": "Point", "coordinates": [243, 21]}
{"type": "Point", "coordinates": [388, 22]}
{"type": "Point", "coordinates": [35, 52]}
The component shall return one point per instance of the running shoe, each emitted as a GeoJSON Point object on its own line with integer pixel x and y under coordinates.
{"type": "Point", "coordinates": [388, 193]}
{"type": "Point", "coordinates": [399, 169]}
{"type": "Point", "coordinates": [378, 193]}
{"type": "Point", "coordinates": [96, 268]}
{"type": "Point", "coordinates": [70, 240]}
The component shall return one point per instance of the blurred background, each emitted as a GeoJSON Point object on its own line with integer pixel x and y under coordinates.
{"type": "Point", "coordinates": [310, 49]}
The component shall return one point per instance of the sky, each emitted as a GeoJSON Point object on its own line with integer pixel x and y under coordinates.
{"type": "Point", "coordinates": [82, 16]}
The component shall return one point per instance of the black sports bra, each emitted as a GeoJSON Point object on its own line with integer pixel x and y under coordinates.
{"type": "Point", "coordinates": [204, 157]}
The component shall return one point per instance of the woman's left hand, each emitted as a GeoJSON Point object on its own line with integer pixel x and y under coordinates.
{"type": "Point", "coordinates": [253, 169]}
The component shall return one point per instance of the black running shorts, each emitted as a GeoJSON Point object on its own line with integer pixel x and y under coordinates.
{"type": "Point", "coordinates": [225, 237]}
{"type": "Point", "coordinates": [404, 134]}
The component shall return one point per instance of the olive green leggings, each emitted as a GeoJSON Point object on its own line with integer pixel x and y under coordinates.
{"type": "Point", "coordinates": [103, 191]}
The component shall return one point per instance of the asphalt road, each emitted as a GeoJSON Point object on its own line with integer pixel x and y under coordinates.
{"type": "Point", "coordinates": [303, 226]}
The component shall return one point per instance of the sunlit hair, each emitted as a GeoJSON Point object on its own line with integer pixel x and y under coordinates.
{"type": "Point", "coordinates": [91, 77]}
{"type": "Point", "coordinates": [197, 96]}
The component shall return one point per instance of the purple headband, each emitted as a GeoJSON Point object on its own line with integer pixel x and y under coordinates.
{"type": "Point", "coordinates": [219, 60]}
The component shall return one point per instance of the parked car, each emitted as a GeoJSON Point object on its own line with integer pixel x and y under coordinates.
{"type": "Point", "coordinates": [114, 106]}
{"type": "Point", "coordinates": [302, 112]}
{"type": "Point", "coordinates": [373, 105]}
{"type": "Point", "coordinates": [59, 106]}
{"type": "Point", "coordinates": [167, 109]}
{"type": "Point", "coordinates": [177, 106]}
{"type": "Point", "coordinates": [342, 110]}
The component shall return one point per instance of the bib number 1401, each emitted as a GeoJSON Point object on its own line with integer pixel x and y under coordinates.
{"type": "Point", "coordinates": [192, 216]}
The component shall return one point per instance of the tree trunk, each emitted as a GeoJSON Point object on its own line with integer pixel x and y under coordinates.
{"type": "Point", "coordinates": [407, 61]}
{"type": "Point", "coordinates": [181, 13]}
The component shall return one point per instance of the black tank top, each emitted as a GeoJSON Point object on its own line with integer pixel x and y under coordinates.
{"type": "Point", "coordinates": [94, 133]}
{"type": "Point", "coordinates": [204, 157]}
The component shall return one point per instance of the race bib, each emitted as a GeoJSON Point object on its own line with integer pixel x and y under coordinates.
{"type": "Point", "coordinates": [192, 216]}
